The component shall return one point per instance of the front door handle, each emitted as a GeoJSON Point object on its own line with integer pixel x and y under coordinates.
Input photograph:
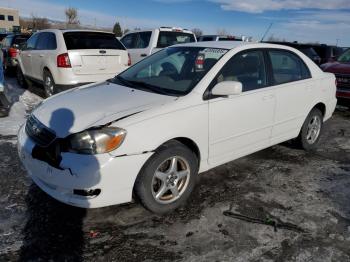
{"type": "Point", "coordinates": [143, 55]}
{"type": "Point", "coordinates": [41, 55]}
{"type": "Point", "coordinates": [268, 97]}
{"type": "Point", "coordinates": [29, 55]}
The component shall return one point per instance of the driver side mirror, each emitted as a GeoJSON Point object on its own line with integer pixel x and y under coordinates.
{"type": "Point", "coordinates": [227, 88]}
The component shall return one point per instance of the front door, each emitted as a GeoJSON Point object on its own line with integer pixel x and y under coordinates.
{"type": "Point", "coordinates": [241, 124]}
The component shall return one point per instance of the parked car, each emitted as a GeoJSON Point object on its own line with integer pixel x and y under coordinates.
{"type": "Point", "coordinates": [182, 111]}
{"type": "Point", "coordinates": [223, 38]}
{"type": "Point", "coordinates": [10, 50]}
{"type": "Point", "coordinates": [341, 69]}
{"type": "Point", "coordinates": [62, 59]}
{"type": "Point", "coordinates": [328, 53]}
{"type": "Point", "coordinates": [141, 44]}
{"type": "Point", "coordinates": [307, 49]}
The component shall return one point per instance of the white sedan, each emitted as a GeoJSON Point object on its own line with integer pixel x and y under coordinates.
{"type": "Point", "coordinates": [149, 131]}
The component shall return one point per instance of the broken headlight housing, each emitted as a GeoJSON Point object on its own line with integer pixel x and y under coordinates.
{"type": "Point", "coordinates": [97, 141]}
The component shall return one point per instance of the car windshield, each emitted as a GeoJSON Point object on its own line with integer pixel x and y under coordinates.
{"type": "Point", "coordinates": [171, 71]}
{"type": "Point", "coordinates": [345, 57]}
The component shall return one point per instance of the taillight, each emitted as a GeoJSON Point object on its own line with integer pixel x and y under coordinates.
{"type": "Point", "coordinates": [13, 52]}
{"type": "Point", "coordinates": [129, 60]}
{"type": "Point", "coordinates": [336, 82]}
{"type": "Point", "coordinates": [63, 61]}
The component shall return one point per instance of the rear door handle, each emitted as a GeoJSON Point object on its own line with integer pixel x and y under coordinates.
{"type": "Point", "coordinates": [29, 55]}
{"type": "Point", "coordinates": [143, 55]}
{"type": "Point", "coordinates": [41, 55]}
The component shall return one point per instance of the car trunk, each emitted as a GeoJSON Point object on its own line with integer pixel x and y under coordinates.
{"type": "Point", "coordinates": [95, 52]}
{"type": "Point", "coordinates": [95, 61]}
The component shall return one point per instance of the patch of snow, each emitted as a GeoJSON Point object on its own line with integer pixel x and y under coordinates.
{"type": "Point", "coordinates": [22, 103]}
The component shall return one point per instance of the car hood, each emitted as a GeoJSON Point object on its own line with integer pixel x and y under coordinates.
{"type": "Point", "coordinates": [93, 105]}
{"type": "Point", "coordinates": [337, 68]}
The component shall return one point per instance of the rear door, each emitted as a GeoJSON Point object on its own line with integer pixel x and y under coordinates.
{"type": "Point", "coordinates": [138, 45]}
{"type": "Point", "coordinates": [294, 91]}
{"type": "Point", "coordinates": [44, 51]}
{"type": "Point", "coordinates": [95, 53]}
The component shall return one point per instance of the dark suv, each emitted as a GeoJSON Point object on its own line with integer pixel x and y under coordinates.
{"type": "Point", "coordinates": [10, 49]}
{"type": "Point", "coordinates": [341, 69]}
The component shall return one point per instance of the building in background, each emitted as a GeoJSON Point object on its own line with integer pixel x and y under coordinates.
{"type": "Point", "coordinates": [9, 19]}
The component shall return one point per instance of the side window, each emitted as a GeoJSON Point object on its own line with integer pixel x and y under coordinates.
{"type": "Point", "coordinates": [142, 39]}
{"type": "Point", "coordinates": [51, 41]}
{"type": "Point", "coordinates": [128, 40]}
{"type": "Point", "coordinates": [2, 17]}
{"type": "Point", "coordinates": [10, 17]}
{"type": "Point", "coordinates": [41, 42]}
{"type": "Point", "coordinates": [247, 67]}
{"type": "Point", "coordinates": [32, 42]}
{"type": "Point", "coordinates": [287, 67]}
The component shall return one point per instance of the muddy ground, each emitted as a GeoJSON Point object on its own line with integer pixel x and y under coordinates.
{"type": "Point", "coordinates": [281, 204]}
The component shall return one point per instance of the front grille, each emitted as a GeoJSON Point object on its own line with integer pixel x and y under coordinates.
{"type": "Point", "coordinates": [343, 81]}
{"type": "Point", "coordinates": [39, 133]}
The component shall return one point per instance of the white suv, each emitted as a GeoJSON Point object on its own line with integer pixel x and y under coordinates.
{"type": "Point", "coordinates": [144, 43]}
{"type": "Point", "coordinates": [62, 59]}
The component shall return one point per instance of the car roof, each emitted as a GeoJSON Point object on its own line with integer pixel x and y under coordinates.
{"type": "Point", "coordinates": [74, 30]}
{"type": "Point", "coordinates": [234, 44]}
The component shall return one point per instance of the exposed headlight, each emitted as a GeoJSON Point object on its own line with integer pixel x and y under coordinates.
{"type": "Point", "coordinates": [97, 141]}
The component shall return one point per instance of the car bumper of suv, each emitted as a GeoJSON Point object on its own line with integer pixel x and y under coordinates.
{"type": "Point", "coordinates": [343, 93]}
{"type": "Point", "coordinates": [11, 62]}
{"type": "Point", "coordinates": [87, 181]}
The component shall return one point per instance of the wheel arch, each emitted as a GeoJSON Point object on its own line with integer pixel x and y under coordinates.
{"type": "Point", "coordinates": [188, 142]}
{"type": "Point", "coordinates": [322, 107]}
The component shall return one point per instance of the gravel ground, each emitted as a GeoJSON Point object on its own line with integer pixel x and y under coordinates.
{"type": "Point", "coordinates": [280, 204]}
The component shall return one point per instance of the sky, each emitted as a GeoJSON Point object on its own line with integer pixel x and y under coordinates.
{"type": "Point", "coordinates": [323, 21]}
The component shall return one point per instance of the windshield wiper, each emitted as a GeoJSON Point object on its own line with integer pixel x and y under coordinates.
{"type": "Point", "coordinates": [149, 87]}
{"type": "Point", "coordinates": [142, 85]}
{"type": "Point", "coordinates": [122, 80]}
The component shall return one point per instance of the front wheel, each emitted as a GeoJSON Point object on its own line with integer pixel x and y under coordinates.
{"type": "Point", "coordinates": [311, 131]}
{"type": "Point", "coordinates": [168, 178]}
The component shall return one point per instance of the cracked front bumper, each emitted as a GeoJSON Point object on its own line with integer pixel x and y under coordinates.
{"type": "Point", "coordinates": [114, 176]}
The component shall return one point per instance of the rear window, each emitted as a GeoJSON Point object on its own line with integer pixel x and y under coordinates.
{"type": "Point", "coordinates": [172, 38]}
{"type": "Point", "coordinates": [91, 40]}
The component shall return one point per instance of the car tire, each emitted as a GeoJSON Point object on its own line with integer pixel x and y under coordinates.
{"type": "Point", "coordinates": [311, 130]}
{"type": "Point", "coordinates": [168, 178]}
{"type": "Point", "coordinates": [49, 84]}
{"type": "Point", "coordinates": [21, 80]}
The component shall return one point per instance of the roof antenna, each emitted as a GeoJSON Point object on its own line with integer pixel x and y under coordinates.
{"type": "Point", "coordinates": [268, 29]}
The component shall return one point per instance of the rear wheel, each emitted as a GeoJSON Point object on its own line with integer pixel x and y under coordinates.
{"type": "Point", "coordinates": [311, 131]}
{"type": "Point", "coordinates": [21, 80]}
{"type": "Point", "coordinates": [168, 178]}
{"type": "Point", "coordinates": [49, 84]}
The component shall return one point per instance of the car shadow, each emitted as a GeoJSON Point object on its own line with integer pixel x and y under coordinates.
{"type": "Point", "coordinates": [53, 230]}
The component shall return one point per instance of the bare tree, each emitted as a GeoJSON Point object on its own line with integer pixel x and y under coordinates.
{"type": "Point", "coordinates": [72, 16]}
{"type": "Point", "coordinates": [197, 32]}
{"type": "Point", "coordinates": [272, 38]}
{"type": "Point", "coordinates": [35, 23]}
{"type": "Point", "coordinates": [221, 31]}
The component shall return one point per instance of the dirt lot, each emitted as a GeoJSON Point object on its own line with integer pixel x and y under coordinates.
{"type": "Point", "coordinates": [281, 204]}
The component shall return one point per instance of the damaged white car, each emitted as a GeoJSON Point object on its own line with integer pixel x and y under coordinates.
{"type": "Point", "coordinates": [149, 131]}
